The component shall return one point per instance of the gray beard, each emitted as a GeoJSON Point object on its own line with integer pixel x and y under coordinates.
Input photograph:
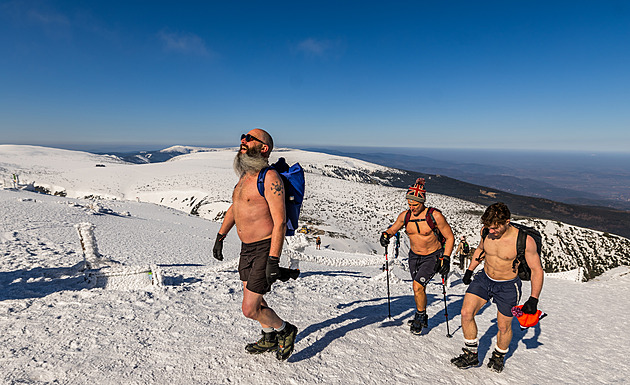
{"type": "Point", "coordinates": [249, 162]}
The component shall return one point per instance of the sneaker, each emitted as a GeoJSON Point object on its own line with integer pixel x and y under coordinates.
{"type": "Point", "coordinates": [268, 343]}
{"type": "Point", "coordinates": [286, 340]}
{"type": "Point", "coordinates": [466, 360]}
{"type": "Point", "coordinates": [418, 323]}
{"type": "Point", "coordinates": [496, 361]}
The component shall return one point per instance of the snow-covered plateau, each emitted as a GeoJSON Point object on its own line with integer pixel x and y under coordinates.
{"type": "Point", "coordinates": [184, 325]}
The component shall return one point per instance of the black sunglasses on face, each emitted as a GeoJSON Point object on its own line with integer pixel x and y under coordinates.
{"type": "Point", "coordinates": [249, 138]}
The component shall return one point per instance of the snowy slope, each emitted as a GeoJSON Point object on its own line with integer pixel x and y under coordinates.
{"type": "Point", "coordinates": [55, 330]}
{"type": "Point", "coordinates": [348, 215]}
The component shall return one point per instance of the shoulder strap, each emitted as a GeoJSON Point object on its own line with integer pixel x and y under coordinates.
{"type": "Point", "coordinates": [407, 217]}
{"type": "Point", "coordinates": [484, 233]}
{"type": "Point", "coordinates": [261, 181]}
{"type": "Point", "coordinates": [521, 242]}
{"type": "Point", "coordinates": [430, 219]}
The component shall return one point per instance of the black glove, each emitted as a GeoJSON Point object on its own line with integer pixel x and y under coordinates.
{"type": "Point", "coordinates": [446, 266]}
{"type": "Point", "coordinates": [443, 265]}
{"type": "Point", "coordinates": [217, 250]}
{"type": "Point", "coordinates": [273, 269]}
{"type": "Point", "coordinates": [384, 239]}
{"type": "Point", "coordinates": [531, 306]}
{"type": "Point", "coordinates": [286, 274]}
{"type": "Point", "coordinates": [467, 277]}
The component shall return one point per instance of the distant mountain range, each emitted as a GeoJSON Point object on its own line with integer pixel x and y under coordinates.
{"type": "Point", "coordinates": [569, 178]}
{"type": "Point", "coordinates": [524, 196]}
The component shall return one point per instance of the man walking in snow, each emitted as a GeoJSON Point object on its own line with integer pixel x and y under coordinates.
{"type": "Point", "coordinates": [462, 252]}
{"type": "Point", "coordinates": [427, 254]}
{"type": "Point", "coordinates": [499, 280]}
{"type": "Point", "coordinates": [261, 226]}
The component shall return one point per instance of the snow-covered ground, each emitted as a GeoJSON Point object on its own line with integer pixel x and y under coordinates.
{"type": "Point", "coordinates": [190, 330]}
{"type": "Point", "coordinates": [59, 329]}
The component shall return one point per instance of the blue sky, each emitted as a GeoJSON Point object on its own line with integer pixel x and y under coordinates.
{"type": "Point", "coordinates": [547, 75]}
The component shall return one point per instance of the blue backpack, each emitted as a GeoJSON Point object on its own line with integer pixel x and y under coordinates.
{"type": "Point", "coordinates": [294, 184]}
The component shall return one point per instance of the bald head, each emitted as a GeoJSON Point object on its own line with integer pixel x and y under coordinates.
{"type": "Point", "coordinates": [265, 138]}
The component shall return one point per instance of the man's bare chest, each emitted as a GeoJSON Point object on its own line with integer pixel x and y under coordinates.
{"type": "Point", "coordinates": [246, 190]}
{"type": "Point", "coordinates": [504, 249]}
{"type": "Point", "coordinates": [418, 227]}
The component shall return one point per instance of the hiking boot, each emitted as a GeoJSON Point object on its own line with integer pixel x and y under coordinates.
{"type": "Point", "coordinates": [420, 321]}
{"type": "Point", "coordinates": [496, 361]}
{"type": "Point", "coordinates": [268, 343]}
{"type": "Point", "coordinates": [286, 339]}
{"type": "Point", "coordinates": [466, 360]}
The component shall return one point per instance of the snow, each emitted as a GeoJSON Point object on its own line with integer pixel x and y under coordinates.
{"type": "Point", "coordinates": [59, 328]}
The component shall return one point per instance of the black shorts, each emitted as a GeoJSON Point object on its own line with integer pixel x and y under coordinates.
{"type": "Point", "coordinates": [252, 265]}
{"type": "Point", "coordinates": [422, 267]}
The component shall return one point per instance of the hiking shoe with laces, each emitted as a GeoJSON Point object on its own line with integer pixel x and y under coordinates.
{"type": "Point", "coordinates": [496, 362]}
{"type": "Point", "coordinates": [466, 360]}
{"type": "Point", "coordinates": [268, 343]}
{"type": "Point", "coordinates": [286, 340]}
{"type": "Point", "coordinates": [419, 322]}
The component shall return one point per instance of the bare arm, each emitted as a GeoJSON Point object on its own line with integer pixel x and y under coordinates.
{"type": "Point", "coordinates": [477, 255]}
{"type": "Point", "coordinates": [228, 222]}
{"type": "Point", "coordinates": [533, 261]}
{"type": "Point", "coordinates": [446, 231]}
{"type": "Point", "coordinates": [275, 199]}
{"type": "Point", "coordinates": [400, 222]}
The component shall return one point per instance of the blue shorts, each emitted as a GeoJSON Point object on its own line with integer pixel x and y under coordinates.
{"type": "Point", "coordinates": [506, 294]}
{"type": "Point", "coordinates": [422, 267]}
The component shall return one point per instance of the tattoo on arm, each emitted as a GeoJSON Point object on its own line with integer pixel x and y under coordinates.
{"type": "Point", "coordinates": [277, 188]}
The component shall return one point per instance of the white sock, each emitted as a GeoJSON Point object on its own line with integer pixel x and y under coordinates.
{"type": "Point", "coordinates": [281, 328]}
{"type": "Point", "coordinates": [501, 350]}
{"type": "Point", "coordinates": [471, 345]}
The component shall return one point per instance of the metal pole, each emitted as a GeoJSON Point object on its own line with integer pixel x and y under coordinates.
{"type": "Point", "coordinates": [448, 333]}
{"type": "Point", "coordinates": [389, 311]}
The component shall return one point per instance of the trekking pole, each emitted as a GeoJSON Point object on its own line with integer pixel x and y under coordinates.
{"type": "Point", "coordinates": [389, 311]}
{"type": "Point", "coordinates": [448, 333]}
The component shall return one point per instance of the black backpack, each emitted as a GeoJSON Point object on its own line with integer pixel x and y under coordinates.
{"type": "Point", "coordinates": [465, 248]}
{"type": "Point", "coordinates": [430, 221]}
{"type": "Point", "coordinates": [524, 272]}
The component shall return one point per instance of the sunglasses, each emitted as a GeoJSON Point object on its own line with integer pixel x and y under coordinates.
{"type": "Point", "coordinates": [249, 138]}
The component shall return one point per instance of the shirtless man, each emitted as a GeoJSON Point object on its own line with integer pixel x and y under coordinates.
{"type": "Point", "coordinates": [261, 226]}
{"type": "Point", "coordinates": [427, 256]}
{"type": "Point", "coordinates": [499, 280]}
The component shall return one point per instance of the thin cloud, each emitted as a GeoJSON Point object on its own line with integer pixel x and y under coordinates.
{"type": "Point", "coordinates": [184, 43]}
{"type": "Point", "coordinates": [319, 47]}
{"type": "Point", "coordinates": [47, 17]}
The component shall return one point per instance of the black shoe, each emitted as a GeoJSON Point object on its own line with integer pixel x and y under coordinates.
{"type": "Point", "coordinates": [496, 361]}
{"type": "Point", "coordinates": [268, 343]}
{"type": "Point", "coordinates": [286, 340]}
{"type": "Point", "coordinates": [466, 360]}
{"type": "Point", "coordinates": [419, 322]}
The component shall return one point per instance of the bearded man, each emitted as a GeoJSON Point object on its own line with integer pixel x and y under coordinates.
{"type": "Point", "coordinates": [261, 226]}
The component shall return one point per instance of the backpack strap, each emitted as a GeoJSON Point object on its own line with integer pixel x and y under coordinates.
{"type": "Point", "coordinates": [261, 180]}
{"type": "Point", "coordinates": [521, 242]}
{"type": "Point", "coordinates": [429, 218]}
{"type": "Point", "coordinates": [408, 219]}
{"type": "Point", "coordinates": [433, 224]}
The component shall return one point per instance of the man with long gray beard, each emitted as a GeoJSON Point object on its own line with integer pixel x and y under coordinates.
{"type": "Point", "coordinates": [261, 226]}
